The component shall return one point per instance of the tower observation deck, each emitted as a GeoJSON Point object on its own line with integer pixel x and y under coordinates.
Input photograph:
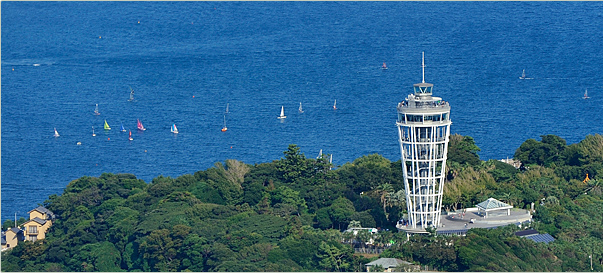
{"type": "Point", "coordinates": [423, 132]}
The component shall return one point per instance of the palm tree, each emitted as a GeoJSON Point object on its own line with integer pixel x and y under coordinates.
{"type": "Point", "coordinates": [397, 199]}
{"type": "Point", "coordinates": [348, 236]}
{"type": "Point", "coordinates": [384, 190]}
{"type": "Point", "coordinates": [505, 197]}
{"type": "Point", "coordinates": [354, 224]}
{"type": "Point", "coordinates": [364, 236]}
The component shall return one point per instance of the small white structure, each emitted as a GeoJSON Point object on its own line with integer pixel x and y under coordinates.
{"type": "Point", "coordinates": [355, 230]}
{"type": "Point", "coordinates": [491, 205]}
{"type": "Point", "coordinates": [512, 162]}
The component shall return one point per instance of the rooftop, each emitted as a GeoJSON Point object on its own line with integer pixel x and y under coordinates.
{"type": "Point", "coordinates": [388, 262]}
{"type": "Point", "coordinates": [492, 204]}
{"type": "Point", "coordinates": [524, 233]}
{"type": "Point", "coordinates": [535, 236]}
{"type": "Point", "coordinates": [37, 220]}
{"type": "Point", "coordinates": [541, 238]}
{"type": "Point", "coordinates": [44, 210]}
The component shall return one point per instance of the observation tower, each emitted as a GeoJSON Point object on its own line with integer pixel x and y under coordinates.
{"type": "Point", "coordinates": [423, 130]}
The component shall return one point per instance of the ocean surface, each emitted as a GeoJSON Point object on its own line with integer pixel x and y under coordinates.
{"type": "Point", "coordinates": [187, 60]}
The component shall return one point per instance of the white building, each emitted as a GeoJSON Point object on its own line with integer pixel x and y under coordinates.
{"type": "Point", "coordinates": [423, 130]}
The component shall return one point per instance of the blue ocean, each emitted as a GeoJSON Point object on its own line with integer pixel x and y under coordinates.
{"type": "Point", "coordinates": [186, 61]}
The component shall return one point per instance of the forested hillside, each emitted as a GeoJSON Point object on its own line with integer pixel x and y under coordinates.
{"type": "Point", "coordinates": [289, 214]}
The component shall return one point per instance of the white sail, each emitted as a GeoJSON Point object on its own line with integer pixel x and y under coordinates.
{"type": "Point", "coordinates": [523, 76]}
{"type": "Point", "coordinates": [224, 129]}
{"type": "Point", "coordinates": [300, 108]}
{"type": "Point", "coordinates": [56, 134]}
{"type": "Point", "coordinates": [131, 94]}
{"type": "Point", "coordinates": [331, 162]}
{"type": "Point", "coordinates": [282, 116]}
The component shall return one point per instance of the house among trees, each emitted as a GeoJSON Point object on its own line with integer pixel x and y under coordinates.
{"type": "Point", "coordinates": [391, 265]}
{"type": "Point", "coordinates": [40, 220]}
{"type": "Point", "coordinates": [11, 237]}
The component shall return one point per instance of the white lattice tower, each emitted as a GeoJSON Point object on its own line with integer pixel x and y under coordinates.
{"type": "Point", "coordinates": [423, 130]}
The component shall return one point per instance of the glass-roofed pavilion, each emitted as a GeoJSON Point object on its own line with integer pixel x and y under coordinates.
{"type": "Point", "coordinates": [423, 129]}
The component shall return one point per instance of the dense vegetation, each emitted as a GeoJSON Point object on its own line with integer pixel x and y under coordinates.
{"type": "Point", "coordinates": [289, 214]}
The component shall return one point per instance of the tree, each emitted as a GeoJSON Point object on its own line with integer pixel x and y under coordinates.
{"type": "Point", "coordinates": [384, 191]}
{"type": "Point", "coordinates": [332, 258]}
{"type": "Point", "coordinates": [594, 187]}
{"type": "Point", "coordinates": [354, 224]}
{"type": "Point", "coordinates": [341, 210]}
{"type": "Point", "coordinates": [364, 218]}
{"type": "Point", "coordinates": [397, 199]}
{"type": "Point", "coordinates": [365, 237]}
{"type": "Point", "coordinates": [462, 149]}
{"type": "Point", "coordinates": [543, 153]}
{"type": "Point", "coordinates": [286, 196]}
{"type": "Point", "coordinates": [160, 248]}
{"type": "Point", "coordinates": [368, 172]}
{"type": "Point", "coordinates": [323, 218]}
{"type": "Point", "coordinates": [294, 165]}
{"type": "Point", "coordinates": [192, 249]}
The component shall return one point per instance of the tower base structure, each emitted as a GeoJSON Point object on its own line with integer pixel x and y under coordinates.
{"type": "Point", "coordinates": [459, 222]}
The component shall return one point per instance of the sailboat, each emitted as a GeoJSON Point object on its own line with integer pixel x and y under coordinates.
{"type": "Point", "coordinates": [335, 105]}
{"type": "Point", "coordinates": [300, 108]}
{"type": "Point", "coordinates": [122, 128]}
{"type": "Point", "coordinates": [93, 134]}
{"type": "Point", "coordinates": [131, 94]}
{"type": "Point", "coordinates": [586, 95]}
{"type": "Point", "coordinates": [331, 162]}
{"type": "Point", "coordinates": [174, 129]}
{"type": "Point", "coordinates": [224, 128]}
{"type": "Point", "coordinates": [107, 126]}
{"type": "Point", "coordinates": [96, 110]}
{"type": "Point", "coordinates": [56, 134]}
{"type": "Point", "coordinates": [319, 154]}
{"type": "Point", "coordinates": [227, 108]}
{"type": "Point", "coordinates": [523, 76]}
{"type": "Point", "coordinates": [139, 125]}
{"type": "Point", "coordinates": [384, 67]}
{"type": "Point", "coordinates": [282, 116]}
{"type": "Point", "coordinates": [130, 136]}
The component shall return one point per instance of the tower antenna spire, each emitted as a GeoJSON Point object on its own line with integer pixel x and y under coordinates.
{"type": "Point", "coordinates": [423, 66]}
